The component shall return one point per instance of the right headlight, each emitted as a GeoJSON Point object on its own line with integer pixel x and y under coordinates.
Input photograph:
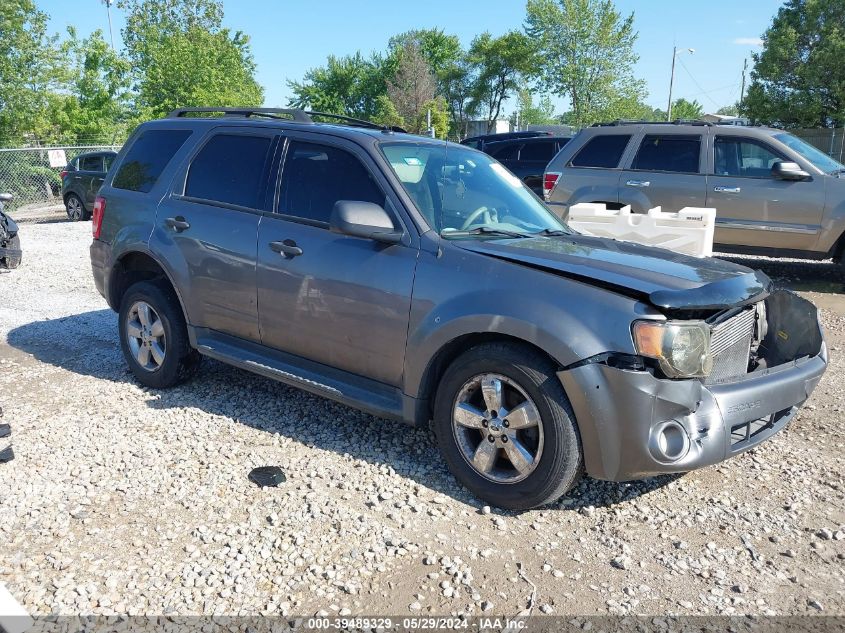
{"type": "Point", "coordinates": [682, 348]}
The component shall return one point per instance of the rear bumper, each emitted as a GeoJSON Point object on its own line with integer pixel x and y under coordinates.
{"type": "Point", "coordinates": [100, 258]}
{"type": "Point", "coordinates": [622, 413]}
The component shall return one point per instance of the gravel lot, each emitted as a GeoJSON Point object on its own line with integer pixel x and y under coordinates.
{"type": "Point", "coordinates": [126, 500]}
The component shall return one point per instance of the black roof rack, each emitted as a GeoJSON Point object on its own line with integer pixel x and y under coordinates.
{"type": "Point", "coordinates": [636, 122]}
{"type": "Point", "coordinates": [294, 114]}
{"type": "Point", "coordinates": [270, 113]}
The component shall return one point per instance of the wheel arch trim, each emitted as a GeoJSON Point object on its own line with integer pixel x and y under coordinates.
{"type": "Point", "coordinates": [168, 275]}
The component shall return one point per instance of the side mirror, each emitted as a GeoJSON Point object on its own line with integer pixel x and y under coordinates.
{"type": "Point", "coordinates": [783, 170]}
{"type": "Point", "coordinates": [363, 219]}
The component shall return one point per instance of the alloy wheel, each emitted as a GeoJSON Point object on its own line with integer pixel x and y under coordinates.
{"type": "Point", "coordinates": [145, 336]}
{"type": "Point", "coordinates": [497, 428]}
{"type": "Point", "coordinates": [74, 208]}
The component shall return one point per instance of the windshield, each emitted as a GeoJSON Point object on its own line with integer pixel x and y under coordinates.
{"type": "Point", "coordinates": [815, 156]}
{"type": "Point", "coordinates": [459, 190]}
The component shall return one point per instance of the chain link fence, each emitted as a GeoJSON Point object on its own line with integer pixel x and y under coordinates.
{"type": "Point", "coordinates": [31, 174]}
{"type": "Point", "coordinates": [829, 140]}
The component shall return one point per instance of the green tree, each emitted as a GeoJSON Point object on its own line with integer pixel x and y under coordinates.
{"type": "Point", "coordinates": [437, 48]}
{"type": "Point", "coordinates": [439, 118]}
{"type": "Point", "coordinates": [798, 79]}
{"type": "Point", "coordinates": [183, 56]}
{"type": "Point", "coordinates": [501, 64]}
{"type": "Point", "coordinates": [731, 110]}
{"type": "Point", "coordinates": [412, 86]}
{"type": "Point", "coordinates": [543, 113]}
{"type": "Point", "coordinates": [386, 113]}
{"type": "Point", "coordinates": [447, 61]}
{"type": "Point", "coordinates": [29, 72]}
{"type": "Point", "coordinates": [457, 89]}
{"type": "Point", "coordinates": [97, 104]}
{"type": "Point", "coordinates": [586, 53]}
{"type": "Point", "coordinates": [350, 85]}
{"type": "Point", "coordinates": [686, 110]}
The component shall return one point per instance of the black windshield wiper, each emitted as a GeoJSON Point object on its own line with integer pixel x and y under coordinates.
{"type": "Point", "coordinates": [483, 230]}
{"type": "Point", "coordinates": [552, 232]}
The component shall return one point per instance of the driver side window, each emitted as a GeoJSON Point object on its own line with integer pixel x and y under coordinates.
{"type": "Point", "coordinates": [316, 176]}
{"type": "Point", "coordinates": [743, 158]}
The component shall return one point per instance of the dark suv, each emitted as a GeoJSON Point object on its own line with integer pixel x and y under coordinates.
{"type": "Point", "coordinates": [527, 157]}
{"type": "Point", "coordinates": [421, 281]}
{"type": "Point", "coordinates": [81, 179]}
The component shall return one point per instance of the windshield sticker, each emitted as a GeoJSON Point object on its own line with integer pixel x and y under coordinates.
{"type": "Point", "coordinates": [505, 175]}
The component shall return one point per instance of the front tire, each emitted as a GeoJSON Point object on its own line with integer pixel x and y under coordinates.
{"type": "Point", "coordinates": [154, 336]}
{"type": "Point", "coordinates": [505, 426]}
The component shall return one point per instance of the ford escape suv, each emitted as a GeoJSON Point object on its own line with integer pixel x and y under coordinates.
{"type": "Point", "coordinates": [774, 194]}
{"type": "Point", "coordinates": [421, 281]}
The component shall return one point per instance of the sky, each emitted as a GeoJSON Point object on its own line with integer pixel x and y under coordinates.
{"type": "Point", "coordinates": [288, 38]}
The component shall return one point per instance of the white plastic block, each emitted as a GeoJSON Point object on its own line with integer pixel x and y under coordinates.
{"type": "Point", "coordinates": [13, 617]}
{"type": "Point", "coordinates": [689, 231]}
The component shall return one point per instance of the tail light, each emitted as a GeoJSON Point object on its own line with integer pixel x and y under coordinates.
{"type": "Point", "coordinates": [97, 216]}
{"type": "Point", "coordinates": [549, 181]}
{"type": "Point", "coordinates": [63, 174]}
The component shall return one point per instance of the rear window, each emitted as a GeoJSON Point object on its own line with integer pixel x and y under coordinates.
{"type": "Point", "coordinates": [673, 153]}
{"type": "Point", "coordinates": [91, 163]}
{"type": "Point", "coordinates": [602, 151]}
{"type": "Point", "coordinates": [147, 158]}
{"type": "Point", "coordinates": [540, 151]}
{"type": "Point", "coordinates": [229, 169]}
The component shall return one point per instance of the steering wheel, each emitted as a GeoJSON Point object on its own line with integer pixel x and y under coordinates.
{"type": "Point", "coordinates": [489, 217]}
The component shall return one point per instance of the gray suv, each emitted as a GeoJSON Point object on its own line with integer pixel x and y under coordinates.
{"type": "Point", "coordinates": [773, 193]}
{"type": "Point", "coordinates": [421, 281]}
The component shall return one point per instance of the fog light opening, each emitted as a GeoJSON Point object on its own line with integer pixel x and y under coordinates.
{"type": "Point", "coordinates": [669, 441]}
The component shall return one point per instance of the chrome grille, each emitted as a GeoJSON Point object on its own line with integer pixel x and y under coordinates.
{"type": "Point", "coordinates": [730, 344]}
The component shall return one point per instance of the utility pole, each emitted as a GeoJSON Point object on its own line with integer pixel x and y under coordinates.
{"type": "Point", "coordinates": [742, 90]}
{"type": "Point", "coordinates": [675, 52]}
{"type": "Point", "coordinates": [108, 4]}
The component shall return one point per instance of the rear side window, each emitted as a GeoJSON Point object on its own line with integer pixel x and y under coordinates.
{"type": "Point", "coordinates": [602, 151]}
{"type": "Point", "coordinates": [107, 161]}
{"type": "Point", "coordinates": [540, 151]}
{"type": "Point", "coordinates": [147, 158]}
{"type": "Point", "coordinates": [317, 176]}
{"type": "Point", "coordinates": [673, 153]}
{"type": "Point", "coordinates": [230, 168]}
{"type": "Point", "coordinates": [504, 151]}
{"type": "Point", "coordinates": [91, 163]}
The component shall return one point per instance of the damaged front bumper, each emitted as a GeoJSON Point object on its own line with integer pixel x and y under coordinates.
{"type": "Point", "coordinates": [635, 425]}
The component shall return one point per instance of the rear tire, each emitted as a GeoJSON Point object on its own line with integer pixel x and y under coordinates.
{"type": "Point", "coordinates": [75, 209]}
{"type": "Point", "coordinates": [548, 451]}
{"type": "Point", "coordinates": [154, 336]}
{"type": "Point", "coordinates": [9, 261]}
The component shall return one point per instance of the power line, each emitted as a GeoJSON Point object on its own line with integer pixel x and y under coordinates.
{"type": "Point", "coordinates": [703, 91]}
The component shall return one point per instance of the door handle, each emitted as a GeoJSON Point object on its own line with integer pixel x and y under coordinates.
{"type": "Point", "coordinates": [288, 248]}
{"type": "Point", "coordinates": [727, 189]}
{"type": "Point", "coordinates": [638, 183]}
{"type": "Point", "coordinates": [178, 224]}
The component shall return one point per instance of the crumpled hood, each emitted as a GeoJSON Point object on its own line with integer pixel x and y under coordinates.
{"type": "Point", "coordinates": [664, 278]}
